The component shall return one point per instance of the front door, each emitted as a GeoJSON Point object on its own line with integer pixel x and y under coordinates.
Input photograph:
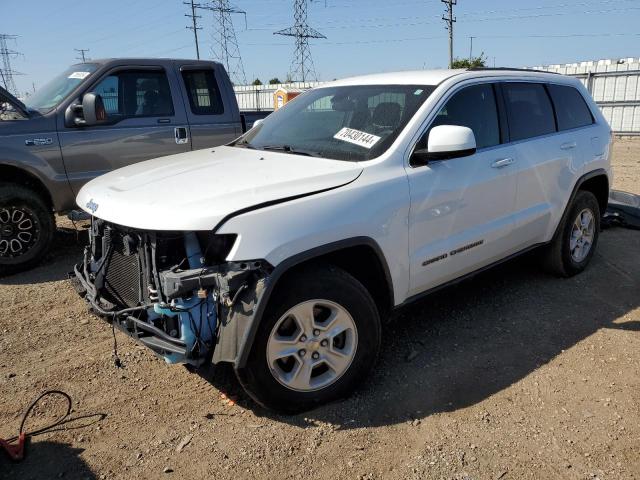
{"type": "Point", "coordinates": [461, 209]}
{"type": "Point", "coordinates": [146, 120]}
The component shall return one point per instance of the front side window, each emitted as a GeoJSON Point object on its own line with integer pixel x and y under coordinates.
{"type": "Point", "coordinates": [529, 110]}
{"type": "Point", "coordinates": [136, 93]}
{"type": "Point", "coordinates": [473, 107]}
{"type": "Point", "coordinates": [355, 123]}
{"type": "Point", "coordinates": [203, 92]}
{"type": "Point", "coordinates": [571, 109]}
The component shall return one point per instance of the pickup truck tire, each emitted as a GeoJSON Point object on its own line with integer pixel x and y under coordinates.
{"type": "Point", "coordinates": [26, 228]}
{"type": "Point", "coordinates": [571, 250]}
{"type": "Point", "coordinates": [341, 328]}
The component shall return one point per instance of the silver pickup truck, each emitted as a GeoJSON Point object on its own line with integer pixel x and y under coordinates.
{"type": "Point", "coordinates": [93, 118]}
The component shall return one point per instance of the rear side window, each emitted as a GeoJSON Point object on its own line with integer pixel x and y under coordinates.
{"type": "Point", "coordinates": [571, 109]}
{"type": "Point", "coordinates": [529, 110]}
{"type": "Point", "coordinates": [203, 92]}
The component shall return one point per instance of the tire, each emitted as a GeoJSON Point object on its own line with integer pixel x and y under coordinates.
{"type": "Point", "coordinates": [561, 256]}
{"type": "Point", "coordinates": [328, 292]}
{"type": "Point", "coordinates": [27, 227]}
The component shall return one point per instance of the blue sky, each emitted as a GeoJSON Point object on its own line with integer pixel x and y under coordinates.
{"type": "Point", "coordinates": [363, 36]}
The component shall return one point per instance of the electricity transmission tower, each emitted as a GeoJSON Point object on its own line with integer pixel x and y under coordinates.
{"type": "Point", "coordinates": [302, 67]}
{"type": "Point", "coordinates": [6, 72]}
{"type": "Point", "coordinates": [194, 21]}
{"type": "Point", "coordinates": [450, 20]}
{"type": "Point", "coordinates": [81, 51]}
{"type": "Point", "coordinates": [225, 47]}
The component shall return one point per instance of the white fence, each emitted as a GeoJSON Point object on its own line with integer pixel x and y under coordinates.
{"type": "Point", "coordinates": [260, 97]}
{"type": "Point", "coordinates": [614, 85]}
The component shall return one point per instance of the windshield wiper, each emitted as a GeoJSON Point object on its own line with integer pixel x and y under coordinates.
{"type": "Point", "coordinates": [290, 149]}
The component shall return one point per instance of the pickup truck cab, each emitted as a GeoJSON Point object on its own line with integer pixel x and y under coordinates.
{"type": "Point", "coordinates": [282, 251]}
{"type": "Point", "coordinates": [93, 118]}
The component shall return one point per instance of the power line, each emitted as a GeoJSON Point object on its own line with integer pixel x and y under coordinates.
{"type": "Point", "coordinates": [194, 21]}
{"type": "Point", "coordinates": [226, 48]}
{"type": "Point", "coordinates": [81, 51]}
{"type": "Point", "coordinates": [6, 72]}
{"type": "Point", "coordinates": [450, 20]}
{"type": "Point", "coordinates": [302, 67]}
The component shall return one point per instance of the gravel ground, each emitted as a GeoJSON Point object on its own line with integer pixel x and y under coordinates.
{"type": "Point", "coordinates": [511, 375]}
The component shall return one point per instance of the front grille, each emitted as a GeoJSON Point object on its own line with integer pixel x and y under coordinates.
{"type": "Point", "coordinates": [123, 274]}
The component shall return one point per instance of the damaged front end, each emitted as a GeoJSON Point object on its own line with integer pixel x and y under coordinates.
{"type": "Point", "coordinates": [172, 291]}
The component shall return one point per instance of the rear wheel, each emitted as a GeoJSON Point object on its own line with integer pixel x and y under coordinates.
{"type": "Point", "coordinates": [319, 337]}
{"type": "Point", "coordinates": [26, 228]}
{"type": "Point", "coordinates": [575, 244]}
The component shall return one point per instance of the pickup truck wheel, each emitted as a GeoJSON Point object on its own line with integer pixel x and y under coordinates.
{"type": "Point", "coordinates": [319, 337]}
{"type": "Point", "coordinates": [575, 244]}
{"type": "Point", "coordinates": [26, 228]}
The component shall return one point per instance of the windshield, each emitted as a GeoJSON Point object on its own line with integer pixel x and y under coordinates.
{"type": "Point", "coordinates": [352, 123]}
{"type": "Point", "coordinates": [49, 96]}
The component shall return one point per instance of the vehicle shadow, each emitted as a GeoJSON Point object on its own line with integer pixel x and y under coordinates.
{"type": "Point", "coordinates": [65, 251]}
{"type": "Point", "coordinates": [46, 459]}
{"type": "Point", "coordinates": [463, 344]}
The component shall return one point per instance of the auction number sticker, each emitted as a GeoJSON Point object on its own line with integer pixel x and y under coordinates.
{"type": "Point", "coordinates": [357, 137]}
{"type": "Point", "coordinates": [79, 75]}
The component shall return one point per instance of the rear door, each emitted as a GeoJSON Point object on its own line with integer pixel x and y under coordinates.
{"type": "Point", "coordinates": [210, 104]}
{"type": "Point", "coordinates": [548, 160]}
{"type": "Point", "coordinates": [146, 120]}
{"type": "Point", "coordinates": [461, 209]}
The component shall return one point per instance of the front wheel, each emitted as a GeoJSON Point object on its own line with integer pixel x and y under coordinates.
{"type": "Point", "coordinates": [575, 244]}
{"type": "Point", "coordinates": [319, 337]}
{"type": "Point", "coordinates": [26, 228]}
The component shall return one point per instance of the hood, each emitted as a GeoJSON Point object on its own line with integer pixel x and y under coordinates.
{"type": "Point", "coordinates": [196, 190]}
{"type": "Point", "coordinates": [5, 96]}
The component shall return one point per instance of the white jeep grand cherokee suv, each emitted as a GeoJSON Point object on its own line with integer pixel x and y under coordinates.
{"type": "Point", "coordinates": [282, 251]}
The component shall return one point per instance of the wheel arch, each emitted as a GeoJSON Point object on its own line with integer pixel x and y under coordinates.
{"type": "Point", "coordinates": [10, 173]}
{"type": "Point", "coordinates": [596, 182]}
{"type": "Point", "coordinates": [374, 275]}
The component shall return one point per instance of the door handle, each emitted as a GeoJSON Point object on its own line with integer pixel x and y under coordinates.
{"type": "Point", "coordinates": [181, 135]}
{"type": "Point", "coordinates": [503, 162]}
{"type": "Point", "coordinates": [568, 145]}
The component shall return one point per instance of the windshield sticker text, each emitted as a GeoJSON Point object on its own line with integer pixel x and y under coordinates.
{"type": "Point", "coordinates": [79, 75]}
{"type": "Point", "coordinates": [357, 137]}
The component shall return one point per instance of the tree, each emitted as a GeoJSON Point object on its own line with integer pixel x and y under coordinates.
{"type": "Point", "coordinates": [257, 82]}
{"type": "Point", "coordinates": [474, 62]}
{"type": "Point", "coordinates": [274, 81]}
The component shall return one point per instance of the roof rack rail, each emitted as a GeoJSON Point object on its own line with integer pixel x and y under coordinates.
{"type": "Point", "coordinates": [508, 69]}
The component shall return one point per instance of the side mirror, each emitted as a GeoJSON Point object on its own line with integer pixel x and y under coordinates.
{"type": "Point", "coordinates": [93, 109]}
{"type": "Point", "coordinates": [257, 122]}
{"type": "Point", "coordinates": [445, 142]}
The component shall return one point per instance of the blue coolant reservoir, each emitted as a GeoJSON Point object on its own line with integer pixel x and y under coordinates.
{"type": "Point", "coordinates": [196, 316]}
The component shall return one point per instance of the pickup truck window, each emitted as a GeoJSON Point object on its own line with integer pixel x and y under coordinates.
{"type": "Point", "coordinates": [354, 123]}
{"type": "Point", "coordinates": [136, 93]}
{"type": "Point", "coordinates": [203, 92]}
{"type": "Point", "coordinates": [49, 96]}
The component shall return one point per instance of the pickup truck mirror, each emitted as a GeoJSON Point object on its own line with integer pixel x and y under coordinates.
{"type": "Point", "coordinates": [93, 110]}
{"type": "Point", "coordinates": [446, 142]}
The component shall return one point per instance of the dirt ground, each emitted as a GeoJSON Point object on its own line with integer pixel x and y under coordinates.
{"type": "Point", "coordinates": [511, 375]}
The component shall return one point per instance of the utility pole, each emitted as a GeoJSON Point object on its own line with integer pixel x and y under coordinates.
{"type": "Point", "coordinates": [6, 72]}
{"type": "Point", "coordinates": [82, 56]}
{"type": "Point", "coordinates": [471, 49]}
{"type": "Point", "coordinates": [194, 20]}
{"type": "Point", "coordinates": [302, 67]}
{"type": "Point", "coordinates": [450, 20]}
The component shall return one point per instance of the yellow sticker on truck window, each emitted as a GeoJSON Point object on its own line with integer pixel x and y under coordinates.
{"type": "Point", "coordinates": [357, 137]}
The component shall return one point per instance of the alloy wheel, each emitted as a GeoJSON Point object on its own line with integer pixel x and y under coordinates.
{"type": "Point", "coordinates": [312, 345]}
